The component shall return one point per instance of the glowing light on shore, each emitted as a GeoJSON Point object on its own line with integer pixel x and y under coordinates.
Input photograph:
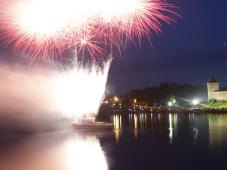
{"type": "Point", "coordinates": [195, 101]}
{"type": "Point", "coordinates": [116, 99]}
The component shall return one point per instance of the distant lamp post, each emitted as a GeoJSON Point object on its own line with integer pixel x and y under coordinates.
{"type": "Point", "coordinates": [106, 102]}
{"type": "Point", "coordinates": [195, 102]}
{"type": "Point", "coordinates": [170, 104]}
{"type": "Point", "coordinates": [116, 99]}
{"type": "Point", "coordinates": [134, 101]}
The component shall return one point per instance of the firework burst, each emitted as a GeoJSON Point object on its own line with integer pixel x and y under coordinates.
{"type": "Point", "coordinates": [41, 26]}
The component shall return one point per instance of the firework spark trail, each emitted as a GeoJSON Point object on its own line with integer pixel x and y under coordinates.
{"type": "Point", "coordinates": [44, 27]}
{"type": "Point", "coordinates": [41, 26]}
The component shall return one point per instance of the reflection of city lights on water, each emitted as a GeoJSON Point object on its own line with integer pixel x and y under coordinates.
{"type": "Point", "coordinates": [135, 126]}
{"type": "Point", "coordinates": [117, 121]}
{"type": "Point", "coordinates": [135, 122]}
{"type": "Point", "coordinates": [117, 126]}
{"type": "Point", "coordinates": [130, 118]}
{"type": "Point", "coordinates": [170, 128]}
{"type": "Point", "coordinates": [217, 130]}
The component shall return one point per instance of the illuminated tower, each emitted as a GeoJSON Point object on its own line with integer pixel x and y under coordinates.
{"type": "Point", "coordinates": [212, 86]}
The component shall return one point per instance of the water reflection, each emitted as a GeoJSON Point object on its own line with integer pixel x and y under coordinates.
{"type": "Point", "coordinates": [57, 151]}
{"type": "Point", "coordinates": [117, 126]}
{"type": "Point", "coordinates": [135, 126]}
{"type": "Point", "coordinates": [84, 153]}
{"type": "Point", "coordinates": [139, 141]}
{"type": "Point", "coordinates": [172, 126]}
{"type": "Point", "coordinates": [175, 127]}
{"type": "Point", "coordinates": [217, 130]}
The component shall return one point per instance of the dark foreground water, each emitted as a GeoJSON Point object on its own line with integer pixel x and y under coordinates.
{"type": "Point", "coordinates": [139, 142]}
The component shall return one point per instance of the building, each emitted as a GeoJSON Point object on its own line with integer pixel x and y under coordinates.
{"type": "Point", "coordinates": [214, 92]}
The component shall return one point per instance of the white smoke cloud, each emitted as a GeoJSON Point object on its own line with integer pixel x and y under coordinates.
{"type": "Point", "coordinates": [31, 96]}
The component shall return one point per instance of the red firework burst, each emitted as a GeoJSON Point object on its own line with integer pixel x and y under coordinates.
{"type": "Point", "coordinates": [42, 26]}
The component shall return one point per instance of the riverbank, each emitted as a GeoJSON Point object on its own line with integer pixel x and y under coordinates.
{"type": "Point", "coordinates": [105, 112]}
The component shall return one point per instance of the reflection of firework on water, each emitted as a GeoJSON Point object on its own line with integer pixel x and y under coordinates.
{"type": "Point", "coordinates": [41, 26]}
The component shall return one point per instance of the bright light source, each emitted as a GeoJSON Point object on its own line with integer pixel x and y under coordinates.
{"type": "Point", "coordinates": [195, 101]}
{"type": "Point", "coordinates": [83, 41]}
{"type": "Point", "coordinates": [134, 101]}
{"type": "Point", "coordinates": [106, 102]}
{"type": "Point", "coordinates": [116, 99]}
{"type": "Point", "coordinates": [80, 91]}
{"type": "Point", "coordinates": [170, 104]}
{"type": "Point", "coordinates": [40, 25]}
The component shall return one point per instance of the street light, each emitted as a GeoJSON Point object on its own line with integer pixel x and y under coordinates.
{"type": "Point", "coordinates": [116, 99]}
{"type": "Point", "coordinates": [195, 101]}
{"type": "Point", "coordinates": [106, 102]}
{"type": "Point", "coordinates": [170, 104]}
{"type": "Point", "coordinates": [134, 101]}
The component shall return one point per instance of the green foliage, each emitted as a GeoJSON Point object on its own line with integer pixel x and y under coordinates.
{"type": "Point", "coordinates": [217, 104]}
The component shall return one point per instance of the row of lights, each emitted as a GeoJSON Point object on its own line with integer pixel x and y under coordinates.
{"type": "Point", "coordinates": [170, 103]}
{"type": "Point", "coordinates": [116, 99]}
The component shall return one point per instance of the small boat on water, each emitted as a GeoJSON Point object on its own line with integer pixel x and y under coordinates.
{"type": "Point", "coordinates": [90, 124]}
{"type": "Point", "coordinates": [93, 126]}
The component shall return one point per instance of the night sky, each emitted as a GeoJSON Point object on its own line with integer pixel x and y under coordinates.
{"type": "Point", "coordinates": [189, 51]}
